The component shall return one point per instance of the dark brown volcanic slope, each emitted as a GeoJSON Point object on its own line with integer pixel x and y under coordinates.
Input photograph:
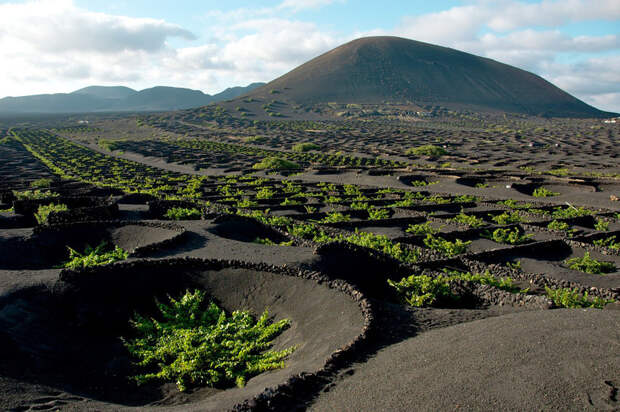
{"type": "Point", "coordinates": [378, 69]}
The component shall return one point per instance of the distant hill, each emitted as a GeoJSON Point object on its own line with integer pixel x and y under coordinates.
{"type": "Point", "coordinates": [166, 98]}
{"type": "Point", "coordinates": [117, 98]}
{"type": "Point", "coordinates": [106, 92]}
{"type": "Point", "coordinates": [379, 69]}
{"type": "Point", "coordinates": [237, 91]}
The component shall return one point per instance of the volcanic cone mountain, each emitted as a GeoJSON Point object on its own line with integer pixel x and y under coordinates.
{"type": "Point", "coordinates": [380, 69]}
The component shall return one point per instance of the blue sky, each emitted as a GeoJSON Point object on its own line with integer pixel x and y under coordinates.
{"type": "Point", "coordinates": [51, 46]}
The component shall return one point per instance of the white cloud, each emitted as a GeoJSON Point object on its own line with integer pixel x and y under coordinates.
{"type": "Point", "coordinates": [277, 41]}
{"type": "Point", "coordinates": [60, 26]}
{"type": "Point", "coordinates": [551, 13]}
{"type": "Point", "coordinates": [446, 26]}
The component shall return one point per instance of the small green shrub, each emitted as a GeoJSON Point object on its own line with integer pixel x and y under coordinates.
{"type": "Point", "coordinates": [445, 246]}
{"type": "Point", "coordinates": [484, 279]}
{"type": "Point", "coordinates": [422, 290]}
{"type": "Point", "coordinates": [438, 200]}
{"type": "Point", "coordinates": [255, 139]}
{"type": "Point", "coordinates": [305, 147]}
{"type": "Point", "coordinates": [101, 255]}
{"type": "Point", "coordinates": [511, 237]}
{"type": "Point", "coordinates": [559, 172]}
{"type": "Point", "coordinates": [539, 212]}
{"type": "Point", "coordinates": [427, 150]}
{"type": "Point", "coordinates": [558, 225]}
{"type": "Point", "coordinates": [352, 190]}
{"type": "Point", "coordinates": [196, 345]}
{"type": "Point", "coordinates": [278, 221]}
{"type": "Point", "coordinates": [590, 265]}
{"type": "Point", "coordinates": [43, 213]}
{"type": "Point", "coordinates": [246, 203]}
{"type": "Point", "coordinates": [422, 229]}
{"type": "Point", "coordinates": [378, 214]}
{"type": "Point", "coordinates": [601, 225]}
{"type": "Point", "coordinates": [569, 212]}
{"type": "Point", "coordinates": [35, 194]}
{"type": "Point", "coordinates": [182, 213]}
{"type": "Point", "coordinates": [405, 203]}
{"type": "Point", "coordinates": [420, 183]}
{"type": "Point", "coordinates": [543, 192]}
{"type": "Point", "coordinates": [263, 217]}
{"type": "Point", "coordinates": [609, 242]}
{"type": "Point", "coordinates": [290, 202]}
{"type": "Point", "coordinates": [507, 218]}
{"type": "Point", "coordinates": [360, 206]}
{"type": "Point", "coordinates": [513, 204]}
{"type": "Point", "coordinates": [310, 232]}
{"type": "Point", "coordinates": [265, 193]}
{"type": "Point", "coordinates": [276, 163]}
{"type": "Point", "coordinates": [567, 298]}
{"type": "Point", "coordinates": [469, 220]}
{"type": "Point", "coordinates": [514, 265]}
{"type": "Point", "coordinates": [382, 244]}
{"type": "Point", "coordinates": [465, 199]}
{"type": "Point", "coordinates": [42, 183]}
{"type": "Point", "coordinates": [335, 217]}
{"type": "Point", "coordinates": [330, 199]}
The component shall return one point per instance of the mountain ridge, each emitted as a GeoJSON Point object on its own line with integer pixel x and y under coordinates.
{"type": "Point", "coordinates": [117, 98]}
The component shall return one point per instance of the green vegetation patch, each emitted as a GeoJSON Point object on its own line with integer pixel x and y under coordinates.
{"type": "Point", "coordinates": [507, 218]}
{"type": "Point", "coordinates": [275, 163]}
{"type": "Point", "coordinates": [182, 213]}
{"type": "Point", "coordinates": [36, 194]}
{"type": "Point", "coordinates": [424, 290]}
{"type": "Point", "coordinates": [421, 229]}
{"type": "Point", "coordinates": [101, 255]}
{"type": "Point", "coordinates": [383, 244]}
{"type": "Point", "coordinates": [543, 192]}
{"type": "Point", "coordinates": [305, 147]}
{"type": "Point", "coordinates": [335, 217]}
{"type": "Point", "coordinates": [570, 212]}
{"type": "Point", "coordinates": [255, 139]}
{"type": "Point", "coordinates": [513, 204]}
{"type": "Point", "coordinates": [558, 225]}
{"type": "Point", "coordinates": [377, 213]}
{"type": "Point", "coordinates": [507, 236]}
{"type": "Point", "coordinates": [469, 220]}
{"type": "Point", "coordinates": [446, 247]}
{"type": "Point", "coordinates": [427, 150]}
{"type": "Point", "coordinates": [44, 211]}
{"type": "Point", "coordinates": [195, 344]}
{"type": "Point", "coordinates": [609, 242]}
{"type": "Point", "coordinates": [571, 298]}
{"type": "Point", "coordinates": [601, 225]}
{"type": "Point", "coordinates": [41, 183]}
{"type": "Point", "coordinates": [590, 265]}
